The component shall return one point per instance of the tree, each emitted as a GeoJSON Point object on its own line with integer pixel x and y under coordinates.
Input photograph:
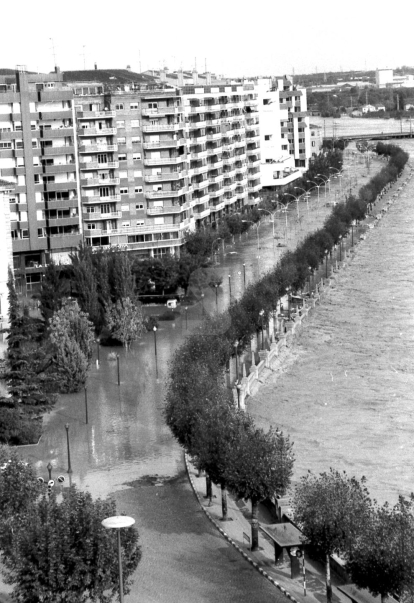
{"type": "Point", "coordinates": [72, 337]}
{"type": "Point", "coordinates": [85, 284]}
{"type": "Point", "coordinates": [125, 320]}
{"type": "Point", "coordinates": [260, 467]}
{"type": "Point", "coordinates": [121, 279]}
{"type": "Point", "coordinates": [54, 289]}
{"type": "Point", "coordinates": [61, 551]}
{"type": "Point", "coordinates": [382, 559]}
{"type": "Point", "coordinates": [331, 509]}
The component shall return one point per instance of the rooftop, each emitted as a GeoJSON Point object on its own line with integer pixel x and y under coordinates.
{"type": "Point", "coordinates": [108, 76]}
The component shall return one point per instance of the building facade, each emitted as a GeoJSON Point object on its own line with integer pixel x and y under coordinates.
{"type": "Point", "coordinates": [38, 156]}
{"type": "Point", "coordinates": [6, 251]}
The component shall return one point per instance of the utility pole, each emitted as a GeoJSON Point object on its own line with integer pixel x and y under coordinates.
{"type": "Point", "coordinates": [53, 52]}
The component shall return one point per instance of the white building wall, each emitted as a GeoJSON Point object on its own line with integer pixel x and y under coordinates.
{"type": "Point", "coordinates": [383, 77]}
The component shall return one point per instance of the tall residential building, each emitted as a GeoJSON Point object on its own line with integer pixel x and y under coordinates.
{"type": "Point", "coordinates": [6, 252]}
{"type": "Point", "coordinates": [285, 133]}
{"type": "Point", "coordinates": [132, 148]}
{"type": "Point", "coordinates": [38, 155]}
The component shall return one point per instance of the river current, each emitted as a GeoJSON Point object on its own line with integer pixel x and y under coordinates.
{"type": "Point", "coordinates": [345, 393]}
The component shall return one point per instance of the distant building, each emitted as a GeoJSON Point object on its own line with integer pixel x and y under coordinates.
{"type": "Point", "coordinates": [383, 77]}
{"type": "Point", "coordinates": [409, 106]}
{"type": "Point", "coordinates": [368, 109]}
{"type": "Point", "coordinates": [316, 139]}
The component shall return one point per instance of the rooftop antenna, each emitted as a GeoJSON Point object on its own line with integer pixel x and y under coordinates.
{"type": "Point", "coordinates": [53, 52]}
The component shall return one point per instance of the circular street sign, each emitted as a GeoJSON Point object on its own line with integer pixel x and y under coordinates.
{"type": "Point", "coordinates": [118, 521]}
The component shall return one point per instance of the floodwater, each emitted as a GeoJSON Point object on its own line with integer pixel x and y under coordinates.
{"type": "Point", "coordinates": [360, 125]}
{"type": "Point", "coordinates": [345, 392]}
{"type": "Point", "coordinates": [126, 451]}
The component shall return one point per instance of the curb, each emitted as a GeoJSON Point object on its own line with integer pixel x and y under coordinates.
{"type": "Point", "coordinates": [231, 541]}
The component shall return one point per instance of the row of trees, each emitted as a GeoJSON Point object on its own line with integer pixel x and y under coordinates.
{"type": "Point", "coordinates": [337, 516]}
{"type": "Point", "coordinates": [55, 550]}
{"type": "Point", "coordinates": [198, 410]}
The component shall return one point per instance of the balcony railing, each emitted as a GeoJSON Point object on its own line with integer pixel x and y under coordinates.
{"type": "Point", "coordinates": [97, 148]}
{"type": "Point", "coordinates": [199, 215]}
{"type": "Point", "coordinates": [147, 228]}
{"type": "Point", "coordinates": [197, 139]}
{"type": "Point", "coordinates": [199, 200]}
{"type": "Point", "coordinates": [95, 114]}
{"type": "Point", "coordinates": [164, 176]}
{"type": "Point", "coordinates": [169, 143]}
{"type": "Point", "coordinates": [97, 131]}
{"type": "Point", "coordinates": [97, 215]}
{"type": "Point", "coordinates": [163, 194]}
{"type": "Point", "coordinates": [214, 136]}
{"type": "Point", "coordinates": [100, 181]}
{"type": "Point", "coordinates": [199, 155]}
{"type": "Point", "coordinates": [196, 125]}
{"type": "Point", "coordinates": [161, 126]}
{"type": "Point", "coordinates": [165, 160]}
{"type": "Point", "coordinates": [162, 111]}
{"type": "Point", "coordinates": [200, 185]}
{"type": "Point", "coordinates": [166, 209]}
{"type": "Point", "coordinates": [97, 199]}
{"type": "Point", "coordinates": [94, 165]}
{"type": "Point", "coordinates": [217, 206]}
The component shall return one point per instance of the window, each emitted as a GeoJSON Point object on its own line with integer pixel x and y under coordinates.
{"type": "Point", "coordinates": [120, 124]}
{"type": "Point", "coordinates": [136, 156]}
{"type": "Point", "coordinates": [123, 191]}
{"type": "Point", "coordinates": [19, 144]}
{"type": "Point", "coordinates": [139, 206]}
{"type": "Point", "coordinates": [138, 189]}
{"type": "Point", "coordinates": [40, 214]}
{"type": "Point", "coordinates": [122, 157]}
{"type": "Point", "coordinates": [41, 233]}
{"type": "Point", "coordinates": [5, 145]}
{"type": "Point", "coordinates": [140, 223]}
{"type": "Point", "coordinates": [48, 178]}
{"type": "Point", "coordinates": [126, 224]}
{"type": "Point", "coordinates": [25, 233]}
{"type": "Point", "coordinates": [36, 179]}
{"type": "Point", "coordinates": [268, 137]}
{"type": "Point", "coordinates": [18, 126]}
{"type": "Point", "coordinates": [266, 101]}
{"type": "Point", "coordinates": [91, 226]}
{"type": "Point", "coordinates": [14, 234]}
{"type": "Point", "coordinates": [158, 221]}
{"type": "Point", "coordinates": [125, 207]}
{"type": "Point", "coordinates": [137, 173]}
{"type": "Point", "coordinates": [119, 107]}
{"type": "Point", "coordinates": [284, 147]}
{"type": "Point", "coordinates": [133, 106]}
{"type": "Point", "coordinates": [152, 105]}
{"type": "Point", "coordinates": [123, 174]}
{"type": "Point", "coordinates": [121, 140]}
{"type": "Point", "coordinates": [134, 123]}
{"type": "Point", "coordinates": [34, 143]}
{"type": "Point", "coordinates": [136, 139]}
{"type": "Point", "coordinates": [313, 143]}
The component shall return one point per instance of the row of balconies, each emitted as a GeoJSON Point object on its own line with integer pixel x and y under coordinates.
{"type": "Point", "coordinates": [164, 127]}
{"type": "Point", "coordinates": [94, 131]}
{"type": "Point", "coordinates": [161, 111]}
{"type": "Point", "coordinates": [94, 165]}
{"type": "Point", "coordinates": [99, 181]}
{"type": "Point", "coordinates": [95, 114]}
{"type": "Point", "coordinates": [98, 148]}
{"type": "Point", "coordinates": [166, 160]}
{"type": "Point", "coordinates": [147, 228]}
{"type": "Point", "coordinates": [167, 143]}
{"type": "Point", "coordinates": [165, 176]}
{"type": "Point", "coordinates": [98, 215]}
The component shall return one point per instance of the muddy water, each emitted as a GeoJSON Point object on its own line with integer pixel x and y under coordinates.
{"type": "Point", "coordinates": [346, 393]}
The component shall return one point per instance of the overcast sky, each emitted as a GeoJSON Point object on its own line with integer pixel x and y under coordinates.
{"type": "Point", "coordinates": [235, 38]}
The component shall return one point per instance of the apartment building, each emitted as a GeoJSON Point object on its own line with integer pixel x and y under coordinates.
{"type": "Point", "coordinates": [6, 252]}
{"type": "Point", "coordinates": [38, 156]}
{"type": "Point", "coordinates": [285, 133]}
{"type": "Point", "coordinates": [132, 149]}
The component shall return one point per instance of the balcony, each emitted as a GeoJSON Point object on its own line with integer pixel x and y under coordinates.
{"type": "Point", "coordinates": [241, 156]}
{"type": "Point", "coordinates": [97, 215]}
{"type": "Point", "coordinates": [97, 131]}
{"type": "Point", "coordinates": [164, 176]}
{"type": "Point", "coordinates": [229, 160]}
{"type": "Point", "coordinates": [198, 186]}
{"type": "Point", "coordinates": [213, 122]}
{"type": "Point", "coordinates": [229, 146]}
{"type": "Point", "coordinates": [217, 206]}
{"type": "Point", "coordinates": [212, 107]}
{"type": "Point", "coordinates": [214, 136]}
{"type": "Point", "coordinates": [164, 127]}
{"type": "Point", "coordinates": [199, 155]}
{"type": "Point", "coordinates": [161, 111]}
{"type": "Point", "coordinates": [253, 151]}
{"type": "Point", "coordinates": [216, 179]}
{"type": "Point", "coordinates": [202, 214]}
{"type": "Point", "coordinates": [165, 160]}
{"type": "Point", "coordinates": [95, 114]}
{"type": "Point", "coordinates": [163, 194]}
{"type": "Point", "coordinates": [166, 209]}
{"type": "Point", "coordinates": [199, 200]}
{"type": "Point", "coordinates": [157, 244]}
{"type": "Point", "coordinates": [147, 228]}
{"type": "Point", "coordinates": [98, 148]}
{"type": "Point", "coordinates": [254, 187]}
{"type": "Point", "coordinates": [97, 199]}
{"type": "Point", "coordinates": [230, 187]}
{"type": "Point", "coordinates": [94, 165]}
{"type": "Point", "coordinates": [215, 165]}
{"type": "Point", "coordinates": [168, 143]}
{"type": "Point", "coordinates": [254, 163]}
{"type": "Point", "coordinates": [202, 139]}
{"type": "Point", "coordinates": [99, 181]}
{"type": "Point", "coordinates": [199, 170]}
{"type": "Point", "coordinates": [196, 125]}
{"type": "Point", "coordinates": [239, 144]}
{"type": "Point", "coordinates": [217, 192]}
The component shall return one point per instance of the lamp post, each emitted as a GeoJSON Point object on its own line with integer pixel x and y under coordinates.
{"type": "Point", "coordinates": [86, 405]}
{"type": "Point", "coordinates": [236, 349]}
{"type": "Point", "coordinates": [296, 198]}
{"type": "Point", "coordinates": [154, 328]}
{"type": "Point", "coordinates": [340, 248]}
{"type": "Point", "coordinates": [117, 522]}
{"type": "Point", "coordinates": [257, 224]}
{"type": "Point", "coordinates": [273, 225]}
{"type": "Point", "coordinates": [216, 287]}
{"type": "Point", "coordinates": [325, 181]}
{"type": "Point", "coordinates": [230, 285]}
{"type": "Point", "coordinates": [318, 186]}
{"type": "Point", "coordinates": [244, 276]}
{"type": "Point", "coordinates": [261, 314]}
{"type": "Point", "coordinates": [68, 446]}
{"type": "Point", "coordinates": [212, 245]}
{"type": "Point", "coordinates": [238, 388]}
{"type": "Point", "coordinates": [340, 175]}
{"type": "Point", "coordinates": [98, 341]}
{"type": "Point", "coordinates": [305, 194]}
{"type": "Point", "coordinates": [326, 263]}
{"type": "Point", "coordinates": [119, 373]}
{"type": "Point", "coordinates": [288, 296]}
{"type": "Point", "coordinates": [353, 223]}
{"type": "Point", "coordinates": [309, 279]}
{"type": "Point", "coordinates": [186, 317]}
{"type": "Point", "coordinates": [202, 304]}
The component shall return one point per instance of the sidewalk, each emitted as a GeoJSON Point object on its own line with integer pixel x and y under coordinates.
{"type": "Point", "coordinates": [238, 524]}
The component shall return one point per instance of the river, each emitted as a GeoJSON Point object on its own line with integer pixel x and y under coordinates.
{"type": "Point", "coordinates": [345, 393]}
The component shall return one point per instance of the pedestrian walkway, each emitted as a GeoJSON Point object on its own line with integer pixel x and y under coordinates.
{"type": "Point", "coordinates": [237, 530]}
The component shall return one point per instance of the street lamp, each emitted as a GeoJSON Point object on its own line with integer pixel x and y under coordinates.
{"type": "Point", "coordinates": [353, 223]}
{"type": "Point", "coordinates": [305, 194]}
{"type": "Point", "coordinates": [186, 317]}
{"type": "Point", "coordinates": [216, 287]}
{"type": "Point", "coordinates": [68, 446]}
{"type": "Point", "coordinates": [273, 224]}
{"type": "Point", "coordinates": [244, 276]}
{"type": "Point", "coordinates": [212, 245]}
{"type": "Point", "coordinates": [230, 285]}
{"type": "Point", "coordinates": [318, 187]}
{"type": "Point", "coordinates": [238, 388]}
{"type": "Point", "coordinates": [98, 341]}
{"type": "Point", "coordinates": [340, 248]}
{"type": "Point", "coordinates": [326, 263]}
{"type": "Point", "coordinates": [202, 304]}
{"type": "Point", "coordinates": [288, 296]}
{"type": "Point", "coordinates": [154, 328]}
{"type": "Point", "coordinates": [236, 348]}
{"type": "Point", "coordinates": [117, 522]}
{"type": "Point", "coordinates": [325, 181]}
{"type": "Point", "coordinates": [257, 224]}
{"type": "Point", "coordinates": [297, 203]}
{"type": "Point", "coordinates": [261, 314]}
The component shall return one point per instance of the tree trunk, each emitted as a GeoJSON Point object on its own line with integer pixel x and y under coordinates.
{"type": "Point", "coordinates": [328, 579]}
{"type": "Point", "coordinates": [383, 598]}
{"type": "Point", "coordinates": [209, 489]}
{"type": "Point", "coordinates": [223, 501]}
{"type": "Point", "coordinates": [255, 525]}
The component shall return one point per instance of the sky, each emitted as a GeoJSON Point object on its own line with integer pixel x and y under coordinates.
{"type": "Point", "coordinates": [232, 38]}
